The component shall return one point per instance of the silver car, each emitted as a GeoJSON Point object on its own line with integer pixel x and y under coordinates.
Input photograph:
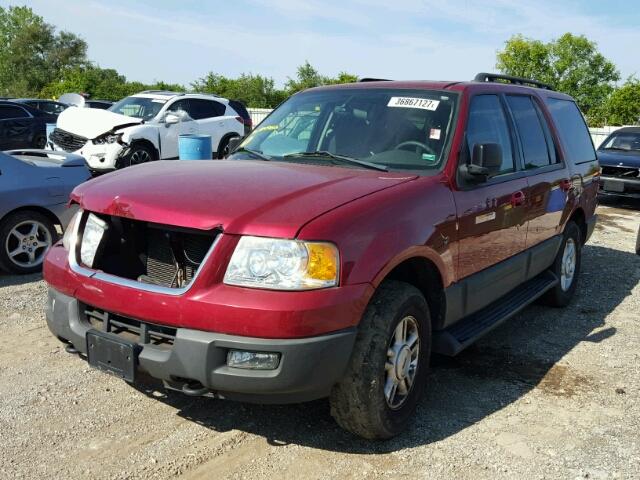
{"type": "Point", "coordinates": [34, 191]}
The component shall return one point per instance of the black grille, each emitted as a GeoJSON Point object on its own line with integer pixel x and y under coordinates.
{"type": "Point", "coordinates": [620, 171]}
{"type": "Point", "coordinates": [67, 141]}
{"type": "Point", "coordinates": [150, 253]}
{"type": "Point", "coordinates": [130, 329]}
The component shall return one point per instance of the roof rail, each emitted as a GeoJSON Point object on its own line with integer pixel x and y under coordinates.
{"type": "Point", "coordinates": [367, 79]}
{"type": "Point", "coordinates": [167, 92]}
{"type": "Point", "coordinates": [492, 77]}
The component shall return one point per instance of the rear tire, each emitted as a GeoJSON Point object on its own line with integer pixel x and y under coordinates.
{"type": "Point", "coordinates": [25, 238]}
{"type": "Point", "coordinates": [365, 402]}
{"type": "Point", "coordinates": [223, 148]}
{"type": "Point", "coordinates": [40, 141]}
{"type": "Point", "coordinates": [566, 267]}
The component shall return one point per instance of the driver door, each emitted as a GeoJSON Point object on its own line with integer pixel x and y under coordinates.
{"type": "Point", "coordinates": [169, 133]}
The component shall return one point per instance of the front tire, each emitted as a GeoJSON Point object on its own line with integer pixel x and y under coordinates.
{"type": "Point", "coordinates": [25, 238]}
{"type": "Point", "coordinates": [138, 154]}
{"type": "Point", "coordinates": [386, 375]}
{"type": "Point", "coordinates": [566, 267]}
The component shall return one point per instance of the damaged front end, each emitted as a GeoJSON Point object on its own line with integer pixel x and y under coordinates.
{"type": "Point", "coordinates": [620, 180]}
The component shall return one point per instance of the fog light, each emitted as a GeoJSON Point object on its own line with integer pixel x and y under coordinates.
{"type": "Point", "coordinates": [253, 360]}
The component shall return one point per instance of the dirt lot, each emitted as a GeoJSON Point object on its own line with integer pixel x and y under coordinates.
{"type": "Point", "coordinates": [551, 394]}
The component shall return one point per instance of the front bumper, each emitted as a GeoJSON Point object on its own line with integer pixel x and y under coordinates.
{"type": "Point", "coordinates": [308, 368]}
{"type": "Point", "coordinates": [620, 186]}
{"type": "Point", "coordinates": [101, 157]}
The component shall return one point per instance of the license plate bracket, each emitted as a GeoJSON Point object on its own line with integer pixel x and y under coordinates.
{"type": "Point", "coordinates": [116, 356]}
{"type": "Point", "coordinates": [613, 186]}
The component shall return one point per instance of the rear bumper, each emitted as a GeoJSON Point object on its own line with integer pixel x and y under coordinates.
{"type": "Point", "coordinates": [308, 367]}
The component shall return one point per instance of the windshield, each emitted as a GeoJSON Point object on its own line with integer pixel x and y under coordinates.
{"type": "Point", "coordinates": [623, 141]}
{"type": "Point", "coordinates": [396, 129]}
{"type": "Point", "coordinates": [138, 107]}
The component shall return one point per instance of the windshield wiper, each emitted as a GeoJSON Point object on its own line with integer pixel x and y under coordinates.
{"type": "Point", "coordinates": [340, 158]}
{"type": "Point", "coordinates": [255, 153]}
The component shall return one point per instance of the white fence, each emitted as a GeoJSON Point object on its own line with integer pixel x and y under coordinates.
{"type": "Point", "coordinates": [258, 114]}
{"type": "Point", "coordinates": [597, 134]}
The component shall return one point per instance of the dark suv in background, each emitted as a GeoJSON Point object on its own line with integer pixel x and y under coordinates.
{"type": "Point", "coordinates": [358, 229]}
{"type": "Point", "coordinates": [619, 157]}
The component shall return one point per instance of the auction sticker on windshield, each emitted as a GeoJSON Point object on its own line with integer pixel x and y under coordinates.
{"type": "Point", "coordinates": [413, 102]}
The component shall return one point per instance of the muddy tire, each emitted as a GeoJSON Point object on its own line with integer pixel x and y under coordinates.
{"type": "Point", "coordinates": [386, 375]}
{"type": "Point", "coordinates": [566, 267]}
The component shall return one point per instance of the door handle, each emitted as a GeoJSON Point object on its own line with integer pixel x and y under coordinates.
{"type": "Point", "coordinates": [517, 199]}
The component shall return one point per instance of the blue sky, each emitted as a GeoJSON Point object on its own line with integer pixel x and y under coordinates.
{"type": "Point", "coordinates": [404, 39]}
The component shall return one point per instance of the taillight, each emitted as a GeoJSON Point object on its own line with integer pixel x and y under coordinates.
{"type": "Point", "coordinates": [245, 121]}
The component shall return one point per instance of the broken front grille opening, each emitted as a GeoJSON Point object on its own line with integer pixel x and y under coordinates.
{"type": "Point", "coordinates": [69, 142]}
{"type": "Point", "coordinates": [623, 172]}
{"type": "Point", "coordinates": [130, 329]}
{"type": "Point", "coordinates": [154, 254]}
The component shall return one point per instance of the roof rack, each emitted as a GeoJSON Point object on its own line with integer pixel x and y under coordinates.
{"type": "Point", "coordinates": [492, 77]}
{"type": "Point", "coordinates": [367, 79]}
{"type": "Point", "coordinates": [165, 92]}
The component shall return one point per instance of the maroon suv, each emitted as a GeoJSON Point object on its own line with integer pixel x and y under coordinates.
{"type": "Point", "coordinates": [357, 230]}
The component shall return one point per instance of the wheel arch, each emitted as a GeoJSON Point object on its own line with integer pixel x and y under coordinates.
{"type": "Point", "coordinates": [147, 143]}
{"type": "Point", "coordinates": [580, 219]}
{"type": "Point", "coordinates": [424, 274]}
{"type": "Point", "coordinates": [34, 208]}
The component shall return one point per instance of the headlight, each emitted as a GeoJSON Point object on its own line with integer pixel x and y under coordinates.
{"type": "Point", "coordinates": [71, 230]}
{"type": "Point", "coordinates": [108, 138]}
{"type": "Point", "coordinates": [91, 237]}
{"type": "Point", "coordinates": [281, 264]}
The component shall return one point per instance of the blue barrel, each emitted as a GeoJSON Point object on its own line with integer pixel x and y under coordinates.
{"type": "Point", "coordinates": [50, 127]}
{"type": "Point", "coordinates": [194, 147]}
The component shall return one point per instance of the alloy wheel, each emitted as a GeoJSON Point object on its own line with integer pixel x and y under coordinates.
{"type": "Point", "coordinates": [403, 354]}
{"type": "Point", "coordinates": [27, 243]}
{"type": "Point", "coordinates": [568, 265]}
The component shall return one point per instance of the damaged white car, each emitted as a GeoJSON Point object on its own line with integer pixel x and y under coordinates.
{"type": "Point", "coordinates": [146, 127]}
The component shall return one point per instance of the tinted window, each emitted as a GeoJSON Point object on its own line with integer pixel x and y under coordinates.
{"type": "Point", "coordinates": [240, 109]}
{"type": "Point", "coordinates": [200, 109]}
{"type": "Point", "coordinates": [51, 107]}
{"type": "Point", "coordinates": [572, 130]}
{"type": "Point", "coordinates": [9, 111]}
{"type": "Point", "coordinates": [551, 146]}
{"type": "Point", "coordinates": [487, 124]}
{"type": "Point", "coordinates": [534, 144]}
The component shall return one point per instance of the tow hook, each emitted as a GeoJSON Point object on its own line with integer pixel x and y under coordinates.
{"type": "Point", "coordinates": [71, 349]}
{"type": "Point", "coordinates": [194, 389]}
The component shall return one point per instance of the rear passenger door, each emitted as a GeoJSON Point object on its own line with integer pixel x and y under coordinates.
{"type": "Point", "coordinates": [209, 115]}
{"type": "Point", "coordinates": [491, 215]}
{"type": "Point", "coordinates": [547, 177]}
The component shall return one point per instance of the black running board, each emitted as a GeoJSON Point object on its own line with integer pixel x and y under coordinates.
{"type": "Point", "coordinates": [459, 336]}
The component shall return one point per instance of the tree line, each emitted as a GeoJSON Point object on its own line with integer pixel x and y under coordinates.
{"type": "Point", "coordinates": [37, 60]}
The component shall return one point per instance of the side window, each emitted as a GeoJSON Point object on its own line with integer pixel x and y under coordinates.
{"type": "Point", "coordinates": [200, 109]}
{"type": "Point", "coordinates": [487, 123]}
{"type": "Point", "coordinates": [9, 111]}
{"type": "Point", "coordinates": [181, 108]}
{"type": "Point", "coordinates": [534, 143]}
{"type": "Point", "coordinates": [572, 130]}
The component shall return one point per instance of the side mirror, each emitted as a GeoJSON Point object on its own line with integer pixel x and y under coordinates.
{"type": "Point", "coordinates": [486, 160]}
{"type": "Point", "coordinates": [171, 119]}
{"type": "Point", "coordinates": [234, 143]}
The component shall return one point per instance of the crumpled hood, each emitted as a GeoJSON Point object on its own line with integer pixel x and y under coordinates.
{"type": "Point", "coordinates": [242, 196]}
{"type": "Point", "coordinates": [617, 158]}
{"type": "Point", "coordinates": [92, 122]}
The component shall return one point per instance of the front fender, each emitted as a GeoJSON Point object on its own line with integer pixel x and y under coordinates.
{"type": "Point", "coordinates": [376, 233]}
{"type": "Point", "coordinates": [146, 132]}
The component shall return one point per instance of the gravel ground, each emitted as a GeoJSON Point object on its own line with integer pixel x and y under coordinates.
{"type": "Point", "coordinates": [550, 394]}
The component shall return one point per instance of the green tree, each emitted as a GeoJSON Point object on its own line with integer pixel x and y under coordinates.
{"type": "Point", "coordinates": [623, 106]}
{"type": "Point", "coordinates": [32, 53]}
{"type": "Point", "coordinates": [571, 64]}
{"type": "Point", "coordinates": [253, 90]}
{"type": "Point", "coordinates": [308, 77]}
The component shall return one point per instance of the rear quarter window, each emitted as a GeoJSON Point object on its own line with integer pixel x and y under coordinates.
{"type": "Point", "coordinates": [572, 130]}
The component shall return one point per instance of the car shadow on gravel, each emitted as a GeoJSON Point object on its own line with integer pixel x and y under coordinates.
{"type": "Point", "coordinates": [7, 280]}
{"type": "Point", "coordinates": [519, 356]}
